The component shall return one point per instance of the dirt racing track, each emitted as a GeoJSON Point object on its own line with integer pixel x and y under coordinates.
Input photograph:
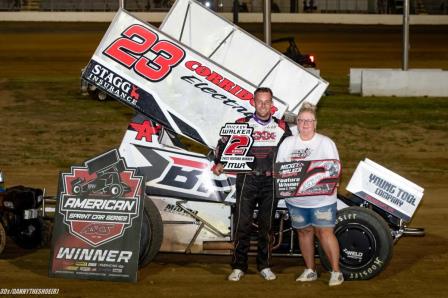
{"type": "Point", "coordinates": [29, 53]}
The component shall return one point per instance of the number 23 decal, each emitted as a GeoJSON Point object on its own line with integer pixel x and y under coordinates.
{"type": "Point", "coordinates": [137, 40]}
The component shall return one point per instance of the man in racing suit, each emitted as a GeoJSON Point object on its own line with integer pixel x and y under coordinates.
{"type": "Point", "coordinates": [256, 186]}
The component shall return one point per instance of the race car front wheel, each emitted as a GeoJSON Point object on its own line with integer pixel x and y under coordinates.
{"type": "Point", "coordinates": [365, 243]}
{"type": "Point", "coordinates": [151, 234]}
{"type": "Point", "coordinates": [29, 234]}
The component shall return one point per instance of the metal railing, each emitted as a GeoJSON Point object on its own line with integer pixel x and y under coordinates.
{"type": "Point", "coordinates": [434, 7]}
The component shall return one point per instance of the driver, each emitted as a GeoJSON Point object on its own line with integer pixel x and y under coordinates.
{"type": "Point", "coordinates": [256, 187]}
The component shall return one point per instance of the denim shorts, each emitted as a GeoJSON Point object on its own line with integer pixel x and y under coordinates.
{"type": "Point", "coordinates": [321, 217]}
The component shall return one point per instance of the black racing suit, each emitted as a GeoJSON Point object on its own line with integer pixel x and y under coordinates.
{"type": "Point", "coordinates": [256, 187]}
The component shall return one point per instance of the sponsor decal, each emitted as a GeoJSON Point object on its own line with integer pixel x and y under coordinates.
{"type": "Point", "coordinates": [98, 206]}
{"type": "Point", "coordinates": [263, 136]}
{"type": "Point", "coordinates": [353, 254]}
{"type": "Point", "coordinates": [98, 219]}
{"type": "Point", "coordinates": [301, 154]}
{"type": "Point", "coordinates": [306, 178]}
{"type": "Point", "coordinates": [173, 208]}
{"type": "Point", "coordinates": [112, 83]}
{"type": "Point", "coordinates": [385, 189]}
{"type": "Point", "coordinates": [391, 192]}
{"type": "Point", "coordinates": [239, 141]}
{"type": "Point", "coordinates": [219, 81]}
{"type": "Point", "coordinates": [376, 265]}
{"type": "Point", "coordinates": [205, 88]}
{"type": "Point", "coordinates": [145, 130]}
{"type": "Point", "coordinates": [184, 174]}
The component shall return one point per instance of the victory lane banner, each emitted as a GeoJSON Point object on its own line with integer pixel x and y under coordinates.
{"type": "Point", "coordinates": [306, 178]}
{"type": "Point", "coordinates": [98, 220]}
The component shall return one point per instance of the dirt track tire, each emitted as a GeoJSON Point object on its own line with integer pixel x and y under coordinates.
{"type": "Point", "coordinates": [2, 238]}
{"type": "Point", "coordinates": [31, 234]}
{"type": "Point", "coordinates": [151, 234]}
{"type": "Point", "coordinates": [365, 243]}
{"type": "Point", "coordinates": [46, 233]}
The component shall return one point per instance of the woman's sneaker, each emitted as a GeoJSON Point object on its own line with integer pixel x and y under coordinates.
{"type": "Point", "coordinates": [307, 275]}
{"type": "Point", "coordinates": [336, 279]}
{"type": "Point", "coordinates": [235, 275]}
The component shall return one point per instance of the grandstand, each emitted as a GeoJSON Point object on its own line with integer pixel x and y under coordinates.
{"type": "Point", "coordinates": [433, 7]}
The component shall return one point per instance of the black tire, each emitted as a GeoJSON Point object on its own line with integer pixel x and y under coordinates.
{"type": "Point", "coordinates": [151, 234]}
{"type": "Point", "coordinates": [47, 231]}
{"type": "Point", "coordinates": [30, 234]}
{"type": "Point", "coordinates": [2, 238]}
{"type": "Point", "coordinates": [365, 243]}
{"type": "Point", "coordinates": [101, 95]}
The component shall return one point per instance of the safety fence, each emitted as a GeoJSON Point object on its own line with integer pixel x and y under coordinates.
{"type": "Point", "coordinates": [432, 7]}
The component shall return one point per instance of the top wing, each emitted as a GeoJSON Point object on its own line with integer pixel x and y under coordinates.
{"type": "Point", "coordinates": [230, 46]}
{"type": "Point", "coordinates": [168, 81]}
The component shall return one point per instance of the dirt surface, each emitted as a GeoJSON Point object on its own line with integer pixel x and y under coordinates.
{"type": "Point", "coordinates": [47, 126]}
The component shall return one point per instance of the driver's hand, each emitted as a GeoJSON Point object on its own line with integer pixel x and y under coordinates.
{"type": "Point", "coordinates": [218, 169]}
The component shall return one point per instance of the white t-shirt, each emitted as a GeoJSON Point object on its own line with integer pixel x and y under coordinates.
{"type": "Point", "coordinates": [319, 147]}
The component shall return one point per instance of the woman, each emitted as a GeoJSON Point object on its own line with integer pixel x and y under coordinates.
{"type": "Point", "coordinates": [312, 215]}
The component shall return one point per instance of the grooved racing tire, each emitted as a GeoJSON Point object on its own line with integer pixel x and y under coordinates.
{"type": "Point", "coordinates": [2, 238]}
{"type": "Point", "coordinates": [46, 233]}
{"type": "Point", "coordinates": [30, 234]}
{"type": "Point", "coordinates": [151, 234]}
{"type": "Point", "coordinates": [365, 243]}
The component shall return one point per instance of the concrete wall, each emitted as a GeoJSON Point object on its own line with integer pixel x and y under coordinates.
{"type": "Point", "coordinates": [395, 82]}
{"type": "Point", "coordinates": [356, 76]}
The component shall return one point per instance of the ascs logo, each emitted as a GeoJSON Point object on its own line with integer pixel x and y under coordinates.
{"type": "Point", "coordinates": [101, 200]}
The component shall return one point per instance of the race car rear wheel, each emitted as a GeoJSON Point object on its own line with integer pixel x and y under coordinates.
{"type": "Point", "coordinates": [151, 234]}
{"type": "Point", "coordinates": [2, 238]}
{"type": "Point", "coordinates": [365, 243]}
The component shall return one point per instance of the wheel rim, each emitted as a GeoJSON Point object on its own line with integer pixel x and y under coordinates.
{"type": "Point", "coordinates": [102, 96]}
{"type": "Point", "coordinates": [115, 190]}
{"type": "Point", "coordinates": [357, 245]}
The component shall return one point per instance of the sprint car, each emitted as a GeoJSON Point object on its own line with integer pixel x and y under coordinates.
{"type": "Point", "coordinates": [21, 217]}
{"type": "Point", "coordinates": [187, 80]}
{"type": "Point", "coordinates": [107, 181]}
{"type": "Point", "coordinates": [190, 210]}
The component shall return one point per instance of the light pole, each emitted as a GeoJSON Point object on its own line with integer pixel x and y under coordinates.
{"type": "Point", "coordinates": [405, 60]}
{"type": "Point", "coordinates": [267, 21]}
